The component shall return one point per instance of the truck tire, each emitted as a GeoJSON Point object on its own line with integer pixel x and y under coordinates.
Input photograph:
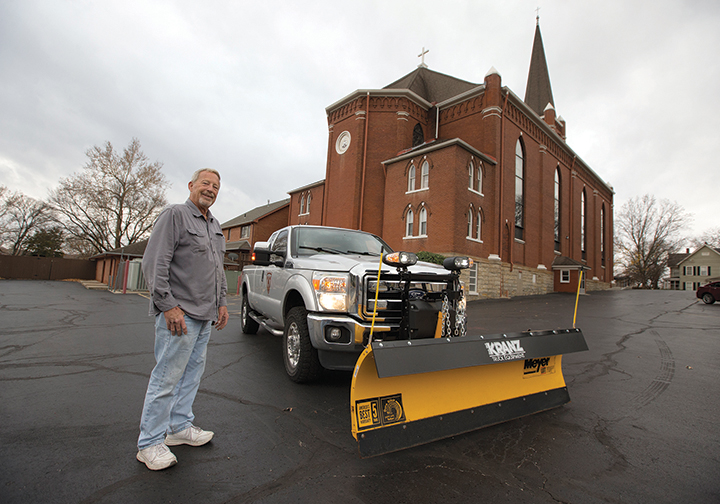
{"type": "Point", "coordinates": [301, 359]}
{"type": "Point", "coordinates": [247, 323]}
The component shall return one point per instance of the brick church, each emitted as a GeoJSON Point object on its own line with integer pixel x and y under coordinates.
{"type": "Point", "coordinates": [435, 163]}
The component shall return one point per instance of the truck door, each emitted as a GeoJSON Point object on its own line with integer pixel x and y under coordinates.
{"type": "Point", "coordinates": [277, 276]}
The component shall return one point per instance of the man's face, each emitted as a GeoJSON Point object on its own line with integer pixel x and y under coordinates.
{"type": "Point", "coordinates": [204, 190]}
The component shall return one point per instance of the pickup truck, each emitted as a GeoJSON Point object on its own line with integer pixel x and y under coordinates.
{"type": "Point", "coordinates": [316, 287]}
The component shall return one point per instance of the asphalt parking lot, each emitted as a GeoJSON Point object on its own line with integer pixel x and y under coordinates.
{"type": "Point", "coordinates": [74, 363]}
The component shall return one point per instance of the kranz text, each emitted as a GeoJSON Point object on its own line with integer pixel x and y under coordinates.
{"type": "Point", "coordinates": [505, 350]}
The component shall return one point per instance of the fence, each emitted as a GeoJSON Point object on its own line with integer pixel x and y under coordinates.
{"type": "Point", "coordinates": [45, 268]}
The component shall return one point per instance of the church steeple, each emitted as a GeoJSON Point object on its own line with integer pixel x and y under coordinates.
{"type": "Point", "coordinates": [538, 92]}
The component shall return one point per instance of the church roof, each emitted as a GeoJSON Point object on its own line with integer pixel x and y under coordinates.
{"type": "Point", "coordinates": [538, 92]}
{"type": "Point", "coordinates": [434, 87]}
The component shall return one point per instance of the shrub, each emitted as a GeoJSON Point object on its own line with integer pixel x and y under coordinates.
{"type": "Point", "coordinates": [430, 257]}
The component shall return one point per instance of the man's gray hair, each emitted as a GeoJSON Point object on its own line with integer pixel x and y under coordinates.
{"type": "Point", "coordinates": [196, 175]}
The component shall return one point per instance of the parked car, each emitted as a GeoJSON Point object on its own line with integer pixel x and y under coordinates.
{"type": "Point", "coordinates": [709, 293]}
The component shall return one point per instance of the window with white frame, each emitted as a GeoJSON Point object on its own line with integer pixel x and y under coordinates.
{"type": "Point", "coordinates": [409, 223]}
{"type": "Point", "coordinates": [411, 178]}
{"type": "Point", "coordinates": [564, 276]}
{"type": "Point", "coordinates": [470, 222]}
{"type": "Point", "coordinates": [478, 226]}
{"type": "Point", "coordinates": [602, 234]}
{"type": "Point", "coordinates": [471, 175]}
{"type": "Point", "coordinates": [302, 205]}
{"type": "Point", "coordinates": [473, 280]}
{"type": "Point", "coordinates": [583, 222]}
{"type": "Point", "coordinates": [425, 175]}
{"type": "Point", "coordinates": [519, 189]}
{"type": "Point", "coordinates": [423, 221]}
{"type": "Point", "coordinates": [556, 210]}
{"type": "Point", "coordinates": [307, 203]}
{"type": "Point", "coordinates": [479, 178]}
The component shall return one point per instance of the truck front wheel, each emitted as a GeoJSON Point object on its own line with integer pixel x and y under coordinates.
{"type": "Point", "coordinates": [301, 359]}
{"type": "Point", "coordinates": [249, 325]}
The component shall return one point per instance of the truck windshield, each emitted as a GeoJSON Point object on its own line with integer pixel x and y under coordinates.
{"type": "Point", "coordinates": [310, 241]}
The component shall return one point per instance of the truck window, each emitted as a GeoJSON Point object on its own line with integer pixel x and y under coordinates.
{"type": "Point", "coordinates": [309, 241]}
{"type": "Point", "coordinates": [280, 243]}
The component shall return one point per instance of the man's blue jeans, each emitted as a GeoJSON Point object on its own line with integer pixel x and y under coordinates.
{"type": "Point", "coordinates": [174, 381]}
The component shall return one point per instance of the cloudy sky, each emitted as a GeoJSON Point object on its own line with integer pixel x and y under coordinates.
{"type": "Point", "coordinates": [242, 86]}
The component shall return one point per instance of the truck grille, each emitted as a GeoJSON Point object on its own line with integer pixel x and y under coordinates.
{"type": "Point", "coordinates": [390, 295]}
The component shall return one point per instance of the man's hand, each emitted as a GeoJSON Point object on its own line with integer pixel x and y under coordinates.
{"type": "Point", "coordinates": [175, 320]}
{"type": "Point", "coordinates": [222, 318]}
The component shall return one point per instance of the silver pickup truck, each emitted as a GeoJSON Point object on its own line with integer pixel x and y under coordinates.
{"type": "Point", "coordinates": [316, 286]}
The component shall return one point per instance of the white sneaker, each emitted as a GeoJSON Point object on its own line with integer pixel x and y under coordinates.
{"type": "Point", "coordinates": [157, 457]}
{"type": "Point", "coordinates": [193, 436]}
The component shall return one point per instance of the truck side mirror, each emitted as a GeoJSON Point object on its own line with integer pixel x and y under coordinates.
{"type": "Point", "coordinates": [261, 254]}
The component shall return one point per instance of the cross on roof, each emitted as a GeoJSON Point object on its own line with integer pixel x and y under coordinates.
{"type": "Point", "coordinates": [422, 55]}
{"type": "Point", "coordinates": [537, 16]}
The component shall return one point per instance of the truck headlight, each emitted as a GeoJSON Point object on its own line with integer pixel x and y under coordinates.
{"type": "Point", "coordinates": [331, 290]}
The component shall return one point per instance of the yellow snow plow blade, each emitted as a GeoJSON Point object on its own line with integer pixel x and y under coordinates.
{"type": "Point", "coordinates": [410, 392]}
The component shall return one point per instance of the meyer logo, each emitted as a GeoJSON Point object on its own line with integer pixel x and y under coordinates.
{"type": "Point", "coordinates": [537, 367]}
{"type": "Point", "coordinates": [505, 350]}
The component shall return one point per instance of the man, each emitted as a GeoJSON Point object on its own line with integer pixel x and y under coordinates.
{"type": "Point", "coordinates": [183, 267]}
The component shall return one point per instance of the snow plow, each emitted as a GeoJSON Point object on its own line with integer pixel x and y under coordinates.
{"type": "Point", "coordinates": [432, 380]}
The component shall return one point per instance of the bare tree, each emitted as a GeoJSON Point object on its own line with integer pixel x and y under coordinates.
{"type": "Point", "coordinates": [20, 217]}
{"type": "Point", "coordinates": [114, 201]}
{"type": "Point", "coordinates": [711, 237]}
{"type": "Point", "coordinates": [647, 232]}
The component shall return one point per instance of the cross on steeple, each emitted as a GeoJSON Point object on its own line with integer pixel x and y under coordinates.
{"type": "Point", "coordinates": [422, 55]}
{"type": "Point", "coordinates": [537, 16]}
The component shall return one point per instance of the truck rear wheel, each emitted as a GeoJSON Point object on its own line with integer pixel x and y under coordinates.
{"type": "Point", "coordinates": [247, 323]}
{"type": "Point", "coordinates": [301, 359]}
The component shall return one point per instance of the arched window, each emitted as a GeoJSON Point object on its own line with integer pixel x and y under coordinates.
{"type": "Point", "coordinates": [470, 222]}
{"type": "Point", "coordinates": [479, 177]}
{"type": "Point", "coordinates": [602, 234]}
{"type": "Point", "coordinates": [409, 223]}
{"type": "Point", "coordinates": [471, 175]}
{"type": "Point", "coordinates": [583, 223]}
{"type": "Point", "coordinates": [307, 203]}
{"type": "Point", "coordinates": [556, 209]}
{"type": "Point", "coordinates": [302, 205]}
{"type": "Point", "coordinates": [423, 221]}
{"type": "Point", "coordinates": [519, 190]}
{"type": "Point", "coordinates": [418, 136]}
{"type": "Point", "coordinates": [479, 225]}
{"type": "Point", "coordinates": [425, 175]}
{"type": "Point", "coordinates": [411, 178]}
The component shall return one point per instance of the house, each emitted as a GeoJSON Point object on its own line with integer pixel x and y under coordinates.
{"type": "Point", "coordinates": [673, 282]}
{"type": "Point", "coordinates": [697, 268]}
{"type": "Point", "coordinates": [109, 265]}
{"type": "Point", "coordinates": [258, 224]}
